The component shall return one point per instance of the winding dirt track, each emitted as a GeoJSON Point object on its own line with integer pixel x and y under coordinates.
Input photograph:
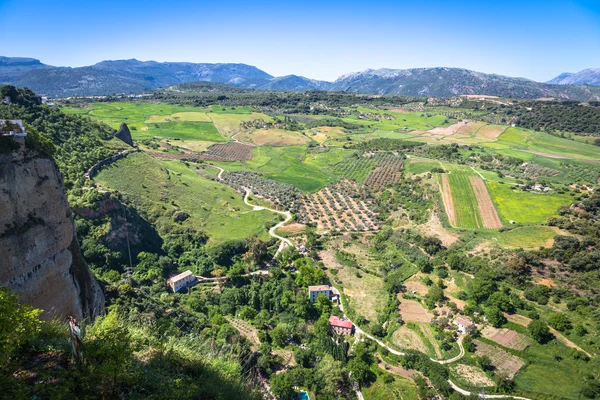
{"type": "Point", "coordinates": [288, 216]}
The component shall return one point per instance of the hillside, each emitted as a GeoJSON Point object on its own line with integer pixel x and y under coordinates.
{"type": "Point", "coordinates": [134, 76]}
{"type": "Point", "coordinates": [590, 76]}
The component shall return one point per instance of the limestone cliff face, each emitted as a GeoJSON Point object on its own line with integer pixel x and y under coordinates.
{"type": "Point", "coordinates": [39, 254]}
{"type": "Point", "coordinates": [124, 134]}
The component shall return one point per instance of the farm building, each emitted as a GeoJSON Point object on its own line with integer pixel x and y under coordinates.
{"type": "Point", "coordinates": [340, 326]}
{"type": "Point", "coordinates": [462, 324]}
{"type": "Point", "coordinates": [315, 291]}
{"type": "Point", "coordinates": [182, 280]}
{"type": "Point", "coordinates": [12, 127]}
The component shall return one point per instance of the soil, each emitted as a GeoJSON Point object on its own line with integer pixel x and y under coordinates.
{"type": "Point", "coordinates": [473, 375]}
{"type": "Point", "coordinates": [447, 199]}
{"type": "Point", "coordinates": [406, 338]}
{"type": "Point", "coordinates": [506, 337]}
{"type": "Point", "coordinates": [504, 362]}
{"type": "Point", "coordinates": [488, 212]}
{"type": "Point", "coordinates": [434, 227]}
{"type": "Point", "coordinates": [412, 310]}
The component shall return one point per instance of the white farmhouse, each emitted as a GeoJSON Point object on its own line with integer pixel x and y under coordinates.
{"type": "Point", "coordinates": [182, 280]}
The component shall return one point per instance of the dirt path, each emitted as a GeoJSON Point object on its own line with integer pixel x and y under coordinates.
{"type": "Point", "coordinates": [487, 210]}
{"type": "Point", "coordinates": [524, 321]}
{"type": "Point", "coordinates": [288, 216]}
{"type": "Point", "coordinates": [447, 199]}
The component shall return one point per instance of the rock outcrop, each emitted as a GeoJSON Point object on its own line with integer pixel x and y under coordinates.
{"type": "Point", "coordinates": [124, 134]}
{"type": "Point", "coordinates": [40, 256]}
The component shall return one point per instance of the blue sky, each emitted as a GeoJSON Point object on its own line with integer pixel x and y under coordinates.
{"type": "Point", "coordinates": [317, 39]}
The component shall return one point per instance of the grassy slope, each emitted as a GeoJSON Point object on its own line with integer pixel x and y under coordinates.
{"type": "Point", "coordinates": [399, 389]}
{"type": "Point", "coordinates": [166, 186]}
{"type": "Point", "coordinates": [525, 207]}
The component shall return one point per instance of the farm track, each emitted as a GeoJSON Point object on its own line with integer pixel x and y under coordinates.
{"type": "Point", "coordinates": [288, 215]}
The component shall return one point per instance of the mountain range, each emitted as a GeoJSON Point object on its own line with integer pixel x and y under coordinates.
{"type": "Point", "coordinates": [134, 76]}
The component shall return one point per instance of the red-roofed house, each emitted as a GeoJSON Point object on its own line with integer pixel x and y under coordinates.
{"type": "Point", "coordinates": [340, 326]}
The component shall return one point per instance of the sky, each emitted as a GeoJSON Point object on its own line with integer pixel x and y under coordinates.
{"type": "Point", "coordinates": [317, 39]}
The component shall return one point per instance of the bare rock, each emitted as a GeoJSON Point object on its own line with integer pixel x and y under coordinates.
{"type": "Point", "coordinates": [124, 134]}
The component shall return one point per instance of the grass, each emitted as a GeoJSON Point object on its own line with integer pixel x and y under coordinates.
{"type": "Point", "coordinates": [364, 292]}
{"type": "Point", "coordinates": [525, 207]}
{"type": "Point", "coordinates": [165, 187]}
{"type": "Point", "coordinates": [465, 202]}
{"type": "Point", "coordinates": [285, 164]}
{"type": "Point", "coordinates": [526, 237]}
{"type": "Point", "coordinates": [203, 131]}
{"type": "Point", "coordinates": [416, 166]}
{"type": "Point", "coordinates": [400, 389]}
{"type": "Point", "coordinates": [544, 143]}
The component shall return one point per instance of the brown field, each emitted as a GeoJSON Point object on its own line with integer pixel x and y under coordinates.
{"type": "Point", "coordinates": [412, 310]}
{"type": "Point", "coordinates": [416, 286]}
{"type": "Point", "coordinates": [292, 228]}
{"type": "Point", "coordinates": [405, 338]}
{"type": "Point", "coordinates": [469, 127]}
{"type": "Point", "coordinates": [506, 337]}
{"type": "Point", "coordinates": [434, 227]}
{"type": "Point", "coordinates": [274, 137]}
{"type": "Point", "coordinates": [447, 199]}
{"type": "Point", "coordinates": [504, 362]}
{"type": "Point", "coordinates": [446, 131]}
{"type": "Point", "coordinates": [475, 376]}
{"type": "Point", "coordinates": [488, 212]}
{"type": "Point", "coordinates": [232, 151]}
{"type": "Point", "coordinates": [491, 131]}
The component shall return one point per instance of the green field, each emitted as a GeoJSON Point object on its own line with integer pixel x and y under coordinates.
{"type": "Point", "coordinates": [553, 146]}
{"type": "Point", "coordinates": [400, 389]}
{"type": "Point", "coordinates": [465, 202]}
{"type": "Point", "coordinates": [526, 237]}
{"type": "Point", "coordinates": [284, 164]}
{"type": "Point", "coordinates": [205, 131]}
{"type": "Point", "coordinates": [162, 188]}
{"type": "Point", "coordinates": [525, 207]}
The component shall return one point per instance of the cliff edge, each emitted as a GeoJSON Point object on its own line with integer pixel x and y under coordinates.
{"type": "Point", "coordinates": [39, 255]}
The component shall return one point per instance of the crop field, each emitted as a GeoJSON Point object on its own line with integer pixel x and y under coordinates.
{"type": "Point", "coordinates": [405, 338]}
{"type": "Point", "coordinates": [228, 152]}
{"type": "Point", "coordinates": [413, 311]}
{"type": "Point", "coordinates": [465, 201]}
{"type": "Point", "coordinates": [487, 211]}
{"type": "Point", "coordinates": [273, 137]}
{"type": "Point", "coordinates": [285, 164]}
{"type": "Point", "coordinates": [418, 166]}
{"type": "Point", "coordinates": [547, 145]}
{"type": "Point", "coordinates": [525, 207]}
{"type": "Point", "coordinates": [169, 187]}
{"type": "Point", "coordinates": [186, 130]}
{"type": "Point", "coordinates": [504, 362]}
{"type": "Point", "coordinates": [229, 124]}
{"type": "Point", "coordinates": [340, 207]}
{"type": "Point", "coordinates": [471, 375]}
{"type": "Point", "coordinates": [506, 338]}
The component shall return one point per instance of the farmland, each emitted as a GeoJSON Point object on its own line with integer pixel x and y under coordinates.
{"type": "Point", "coordinates": [168, 187]}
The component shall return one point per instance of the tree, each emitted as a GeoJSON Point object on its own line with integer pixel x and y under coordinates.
{"type": "Point", "coordinates": [560, 322]}
{"type": "Point", "coordinates": [281, 386]}
{"type": "Point", "coordinates": [539, 331]}
{"type": "Point", "coordinates": [18, 322]}
{"type": "Point", "coordinates": [495, 316]}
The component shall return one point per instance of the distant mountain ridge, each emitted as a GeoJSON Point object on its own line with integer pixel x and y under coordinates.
{"type": "Point", "coordinates": [134, 76]}
{"type": "Point", "coordinates": [590, 76]}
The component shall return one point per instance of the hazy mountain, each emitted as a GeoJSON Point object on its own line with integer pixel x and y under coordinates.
{"type": "Point", "coordinates": [295, 82]}
{"type": "Point", "coordinates": [444, 82]}
{"type": "Point", "coordinates": [126, 76]}
{"type": "Point", "coordinates": [589, 76]}
{"type": "Point", "coordinates": [133, 76]}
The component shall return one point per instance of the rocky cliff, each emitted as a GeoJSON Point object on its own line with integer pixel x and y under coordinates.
{"type": "Point", "coordinates": [124, 134]}
{"type": "Point", "coordinates": [39, 254]}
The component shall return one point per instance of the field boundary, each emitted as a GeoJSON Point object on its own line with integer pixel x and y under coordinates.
{"type": "Point", "coordinates": [487, 210]}
{"type": "Point", "coordinates": [447, 199]}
